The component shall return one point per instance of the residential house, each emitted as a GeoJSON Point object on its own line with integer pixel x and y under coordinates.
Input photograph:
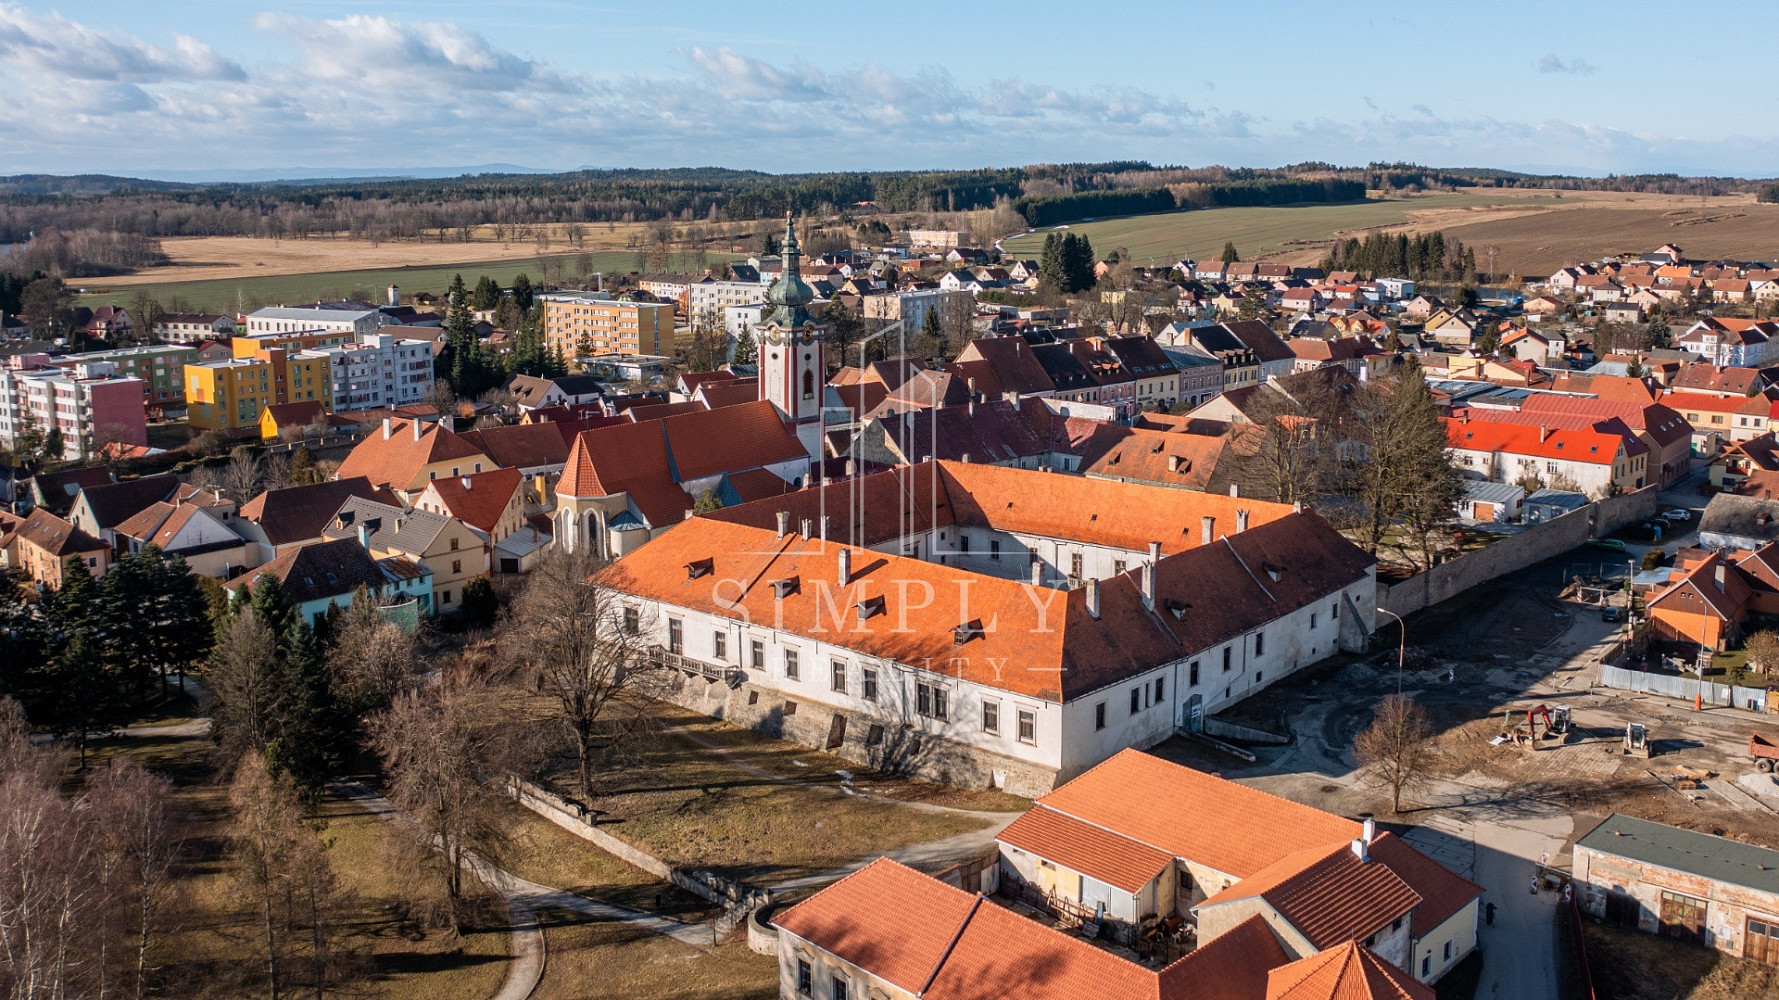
{"type": "Point", "coordinates": [1697, 887]}
{"type": "Point", "coordinates": [161, 367]}
{"type": "Point", "coordinates": [1714, 418]}
{"type": "Point", "coordinates": [325, 575]}
{"type": "Point", "coordinates": [493, 506]}
{"type": "Point", "coordinates": [1486, 501]}
{"type": "Point", "coordinates": [583, 324]}
{"type": "Point", "coordinates": [229, 396]}
{"type": "Point", "coordinates": [993, 431]}
{"type": "Point", "coordinates": [89, 406]}
{"type": "Point", "coordinates": [1662, 429]}
{"type": "Point", "coordinates": [451, 551]}
{"type": "Point", "coordinates": [1738, 522]}
{"type": "Point", "coordinates": [1240, 366]}
{"type": "Point", "coordinates": [405, 455]}
{"type": "Point", "coordinates": [1289, 589]}
{"type": "Point", "coordinates": [199, 527]}
{"type": "Point", "coordinates": [293, 419]}
{"type": "Point", "coordinates": [46, 549]}
{"type": "Point", "coordinates": [1272, 354]}
{"type": "Point", "coordinates": [286, 519]}
{"type": "Point", "coordinates": [378, 370]}
{"type": "Point", "coordinates": [98, 510]}
{"type": "Point", "coordinates": [1754, 462]}
{"type": "Point", "coordinates": [1732, 342]}
{"type": "Point", "coordinates": [1711, 593]}
{"type": "Point", "coordinates": [1583, 460]}
{"type": "Point", "coordinates": [58, 490]}
{"type": "Point", "coordinates": [192, 328]}
{"type": "Point", "coordinates": [110, 323]}
{"type": "Point", "coordinates": [531, 392]}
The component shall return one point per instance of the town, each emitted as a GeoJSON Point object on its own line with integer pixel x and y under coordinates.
{"type": "Point", "coordinates": [890, 586]}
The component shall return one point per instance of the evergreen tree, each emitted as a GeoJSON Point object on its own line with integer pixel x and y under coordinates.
{"type": "Point", "coordinates": [1050, 262]}
{"type": "Point", "coordinates": [769, 246]}
{"type": "Point", "coordinates": [487, 293]}
{"type": "Point", "coordinates": [745, 351]}
{"type": "Point", "coordinates": [1230, 255]}
{"type": "Point", "coordinates": [84, 696]}
{"type": "Point", "coordinates": [303, 471]}
{"type": "Point", "coordinates": [480, 604]}
{"type": "Point", "coordinates": [524, 296]}
{"type": "Point", "coordinates": [1078, 261]}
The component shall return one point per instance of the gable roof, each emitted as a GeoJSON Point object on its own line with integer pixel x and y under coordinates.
{"type": "Point", "coordinates": [1348, 972]}
{"type": "Point", "coordinates": [294, 513]}
{"type": "Point", "coordinates": [520, 446]}
{"type": "Point", "coordinates": [1569, 444]}
{"type": "Point", "coordinates": [1259, 338]}
{"type": "Point", "coordinates": [54, 535]}
{"type": "Point", "coordinates": [113, 503]}
{"type": "Point", "coordinates": [1196, 816]}
{"type": "Point", "coordinates": [994, 431]}
{"type": "Point", "coordinates": [58, 489]}
{"type": "Point", "coordinates": [931, 940]}
{"type": "Point", "coordinates": [319, 571]}
{"type": "Point", "coordinates": [298, 414]}
{"type": "Point", "coordinates": [478, 500]}
{"type": "Point", "coordinates": [396, 460]}
{"type": "Point", "coordinates": [1093, 851]}
{"type": "Point", "coordinates": [389, 526]}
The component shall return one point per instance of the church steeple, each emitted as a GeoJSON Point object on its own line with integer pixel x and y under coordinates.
{"type": "Point", "coordinates": [790, 295]}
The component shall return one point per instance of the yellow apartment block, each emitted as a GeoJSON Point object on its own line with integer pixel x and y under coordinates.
{"type": "Point", "coordinates": [585, 324]}
{"type": "Point", "coordinates": [229, 396]}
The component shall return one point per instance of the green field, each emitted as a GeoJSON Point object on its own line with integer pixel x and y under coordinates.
{"type": "Point", "coordinates": [1200, 235]}
{"type": "Point", "coordinates": [231, 295]}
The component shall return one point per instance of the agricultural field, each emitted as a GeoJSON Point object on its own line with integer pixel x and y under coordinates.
{"type": "Point", "coordinates": [246, 293]}
{"type": "Point", "coordinates": [1531, 232]}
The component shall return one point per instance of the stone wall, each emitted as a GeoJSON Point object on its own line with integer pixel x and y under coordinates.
{"type": "Point", "coordinates": [872, 742]}
{"type": "Point", "coordinates": [1516, 552]}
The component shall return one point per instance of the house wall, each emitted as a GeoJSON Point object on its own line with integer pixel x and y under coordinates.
{"type": "Point", "coordinates": [1459, 929]}
{"type": "Point", "coordinates": [1215, 921]}
{"type": "Point", "coordinates": [1728, 907]}
{"type": "Point", "coordinates": [823, 967]}
{"type": "Point", "coordinates": [1516, 552]}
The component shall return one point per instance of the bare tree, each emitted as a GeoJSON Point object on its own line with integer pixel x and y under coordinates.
{"type": "Point", "coordinates": [1396, 748]}
{"type": "Point", "coordinates": [584, 646]}
{"type": "Point", "coordinates": [144, 838]}
{"type": "Point", "coordinates": [267, 834]}
{"type": "Point", "coordinates": [442, 747]}
{"type": "Point", "coordinates": [371, 658]}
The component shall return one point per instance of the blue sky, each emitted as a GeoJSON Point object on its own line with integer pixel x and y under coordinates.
{"type": "Point", "coordinates": [147, 88]}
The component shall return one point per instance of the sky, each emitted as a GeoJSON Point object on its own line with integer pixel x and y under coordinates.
{"type": "Point", "coordinates": [199, 88]}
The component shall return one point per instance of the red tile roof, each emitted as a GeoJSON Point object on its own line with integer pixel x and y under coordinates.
{"type": "Point", "coordinates": [1196, 816]}
{"type": "Point", "coordinates": [1442, 891]}
{"type": "Point", "coordinates": [398, 460]}
{"type": "Point", "coordinates": [941, 943]}
{"type": "Point", "coordinates": [1349, 972]}
{"type": "Point", "coordinates": [1574, 445]}
{"type": "Point", "coordinates": [480, 503]}
{"type": "Point", "coordinates": [54, 535]}
{"type": "Point", "coordinates": [520, 446]}
{"type": "Point", "coordinates": [1095, 852]}
{"type": "Point", "coordinates": [1327, 894]}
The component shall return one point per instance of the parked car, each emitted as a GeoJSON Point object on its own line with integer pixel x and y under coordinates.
{"type": "Point", "coordinates": [1609, 613]}
{"type": "Point", "coordinates": [1679, 515]}
{"type": "Point", "coordinates": [1609, 544]}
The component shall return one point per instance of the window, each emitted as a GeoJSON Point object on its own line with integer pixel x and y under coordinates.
{"type": "Point", "coordinates": [1160, 686]}
{"type": "Point", "coordinates": [1226, 657]}
{"type": "Point", "coordinates": [445, 598]}
{"type": "Point", "coordinates": [1075, 564]}
{"type": "Point", "coordinates": [1312, 619]}
{"type": "Point", "coordinates": [991, 717]}
{"type": "Point", "coordinates": [963, 543]}
{"type": "Point", "coordinates": [719, 645]}
{"type": "Point", "coordinates": [803, 976]}
{"type": "Point", "coordinates": [790, 664]}
{"type": "Point", "coordinates": [1192, 675]}
{"type": "Point", "coordinates": [1099, 716]}
{"type": "Point", "coordinates": [456, 565]}
{"type": "Point", "coordinates": [994, 548]}
{"type": "Point", "coordinates": [676, 639]}
{"type": "Point", "coordinates": [837, 675]}
{"type": "Point", "coordinates": [1259, 675]}
{"type": "Point", "coordinates": [1448, 952]}
{"type": "Point", "coordinates": [1334, 611]}
{"type": "Point", "coordinates": [839, 991]}
{"type": "Point", "coordinates": [939, 696]}
{"type": "Point", "coordinates": [1136, 700]}
{"type": "Point", "coordinates": [1028, 726]}
{"type": "Point", "coordinates": [1259, 643]}
{"type": "Point", "coordinates": [1117, 567]}
{"type": "Point", "coordinates": [868, 680]}
{"type": "Point", "coordinates": [923, 700]}
{"type": "Point", "coordinates": [1427, 964]}
{"type": "Point", "coordinates": [756, 652]}
{"type": "Point", "coordinates": [453, 545]}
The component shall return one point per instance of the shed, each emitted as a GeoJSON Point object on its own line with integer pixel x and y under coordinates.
{"type": "Point", "coordinates": [1545, 505]}
{"type": "Point", "coordinates": [1486, 501]}
{"type": "Point", "coordinates": [1732, 521]}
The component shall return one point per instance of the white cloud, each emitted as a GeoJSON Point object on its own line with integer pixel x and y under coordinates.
{"type": "Point", "coordinates": [378, 51]}
{"type": "Point", "coordinates": [1551, 63]}
{"type": "Point", "coordinates": [50, 45]}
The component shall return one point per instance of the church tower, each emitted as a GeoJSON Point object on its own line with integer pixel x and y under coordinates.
{"type": "Point", "coordinates": [788, 348]}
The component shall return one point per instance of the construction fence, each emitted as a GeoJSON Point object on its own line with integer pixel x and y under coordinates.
{"type": "Point", "coordinates": [1683, 688]}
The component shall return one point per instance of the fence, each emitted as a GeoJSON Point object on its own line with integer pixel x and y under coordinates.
{"type": "Point", "coordinates": [1516, 552]}
{"type": "Point", "coordinates": [1582, 969]}
{"type": "Point", "coordinates": [1683, 688]}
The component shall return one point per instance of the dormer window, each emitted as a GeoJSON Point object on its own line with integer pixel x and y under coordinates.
{"type": "Point", "coordinates": [870, 608]}
{"type": "Point", "coordinates": [700, 567]}
{"type": "Point", "coordinates": [1274, 571]}
{"type": "Point", "coordinates": [785, 588]}
{"type": "Point", "coordinates": [971, 629]}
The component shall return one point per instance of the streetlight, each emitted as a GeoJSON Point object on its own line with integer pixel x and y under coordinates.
{"type": "Point", "coordinates": [1401, 644]}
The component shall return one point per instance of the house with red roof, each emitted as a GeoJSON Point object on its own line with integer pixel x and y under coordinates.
{"type": "Point", "coordinates": [1581, 460]}
{"type": "Point", "coordinates": [989, 626]}
{"type": "Point", "coordinates": [1746, 343]}
{"type": "Point", "coordinates": [405, 455]}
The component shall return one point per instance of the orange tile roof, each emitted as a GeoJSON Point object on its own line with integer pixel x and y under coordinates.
{"type": "Point", "coordinates": [1327, 893]}
{"type": "Point", "coordinates": [941, 943]}
{"type": "Point", "coordinates": [54, 535]}
{"type": "Point", "coordinates": [1196, 816]}
{"type": "Point", "coordinates": [1349, 972]}
{"type": "Point", "coordinates": [1097, 853]}
{"type": "Point", "coordinates": [1574, 445]}
{"type": "Point", "coordinates": [145, 522]}
{"type": "Point", "coordinates": [398, 460]}
{"type": "Point", "coordinates": [1442, 891]}
{"type": "Point", "coordinates": [481, 503]}
{"type": "Point", "coordinates": [1703, 402]}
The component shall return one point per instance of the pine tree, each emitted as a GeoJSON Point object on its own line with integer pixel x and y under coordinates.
{"type": "Point", "coordinates": [487, 293]}
{"type": "Point", "coordinates": [1230, 254]}
{"type": "Point", "coordinates": [523, 294]}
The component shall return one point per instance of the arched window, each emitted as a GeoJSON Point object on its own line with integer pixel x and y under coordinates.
{"type": "Point", "coordinates": [808, 384]}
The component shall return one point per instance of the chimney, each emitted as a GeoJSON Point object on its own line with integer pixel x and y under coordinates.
{"type": "Point", "coordinates": [784, 523]}
{"type": "Point", "coordinates": [1037, 573]}
{"type": "Point", "coordinates": [807, 526]}
{"type": "Point", "coordinates": [1543, 434]}
{"type": "Point", "coordinates": [1154, 552]}
{"type": "Point", "coordinates": [1297, 506]}
{"type": "Point", "coordinates": [1361, 850]}
{"type": "Point", "coordinates": [849, 468]}
{"type": "Point", "coordinates": [965, 457]}
{"type": "Point", "coordinates": [1149, 585]}
{"type": "Point", "coordinates": [845, 566]}
{"type": "Point", "coordinates": [1093, 598]}
{"type": "Point", "coordinates": [825, 524]}
{"type": "Point", "coordinates": [1370, 833]}
{"type": "Point", "coordinates": [971, 406]}
{"type": "Point", "coordinates": [1234, 491]}
{"type": "Point", "coordinates": [1241, 521]}
{"type": "Point", "coordinates": [364, 536]}
{"type": "Point", "coordinates": [1464, 415]}
{"type": "Point", "coordinates": [1207, 530]}
{"type": "Point", "coordinates": [416, 425]}
{"type": "Point", "coordinates": [1718, 574]}
{"type": "Point", "coordinates": [388, 428]}
{"type": "Point", "coordinates": [395, 296]}
{"type": "Point", "coordinates": [1173, 463]}
{"type": "Point", "coordinates": [465, 482]}
{"type": "Point", "coordinates": [970, 383]}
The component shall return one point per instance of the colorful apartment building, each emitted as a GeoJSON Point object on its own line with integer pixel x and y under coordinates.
{"type": "Point", "coordinates": [161, 367]}
{"type": "Point", "coordinates": [229, 396]}
{"type": "Point", "coordinates": [90, 404]}
{"type": "Point", "coordinates": [581, 324]}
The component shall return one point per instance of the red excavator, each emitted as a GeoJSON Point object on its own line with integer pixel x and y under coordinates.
{"type": "Point", "coordinates": [1556, 725]}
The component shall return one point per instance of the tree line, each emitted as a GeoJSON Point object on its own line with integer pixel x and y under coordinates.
{"type": "Point", "coordinates": [1422, 257]}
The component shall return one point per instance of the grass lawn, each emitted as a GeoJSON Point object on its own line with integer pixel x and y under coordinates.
{"type": "Point", "coordinates": [613, 961]}
{"type": "Point", "coordinates": [694, 807]}
{"type": "Point", "coordinates": [246, 294]}
{"type": "Point", "coordinates": [1630, 965]}
{"type": "Point", "coordinates": [1200, 235]}
{"type": "Point", "coordinates": [214, 949]}
{"type": "Point", "coordinates": [542, 852]}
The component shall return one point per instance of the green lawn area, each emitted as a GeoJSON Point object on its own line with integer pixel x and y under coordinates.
{"type": "Point", "coordinates": [1200, 235]}
{"type": "Point", "coordinates": [1630, 965]}
{"type": "Point", "coordinates": [614, 961]}
{"type": "Point", "coordinates": [542, 852]}
{"type": "Point", "coordinates": [695, 808]}
{"type": "Point", "coordinates": [247, 294]}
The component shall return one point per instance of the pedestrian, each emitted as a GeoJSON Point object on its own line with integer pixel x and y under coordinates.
{"type": "Point", "coordinates": [1489, 914]}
